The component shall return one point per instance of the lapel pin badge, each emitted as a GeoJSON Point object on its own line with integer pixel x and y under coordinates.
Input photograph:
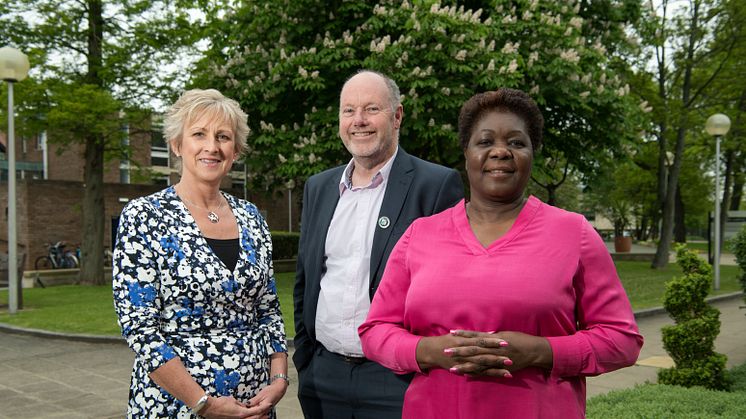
{"type": "Point", "coordinates": [384, 222]}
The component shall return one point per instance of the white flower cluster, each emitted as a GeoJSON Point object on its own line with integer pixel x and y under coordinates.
{"type": "Point", "coordinates": [347, 38]}
{"type": "Point", "coordinates": [460, 55]}
{"type": "Point", "coordinates": [510, 48]}
{"type": "Point", "coordinates": [446, 91]}
{"type": "Point", "coordinates": [380, 46]}
{"type": "Point", "coordinates": [532, 57]}
{"type": "Point", "coordinates": [576, 22]}
{"type": "Point", "coordinates": [510, 69]}
{"type": "Point", "coordinates": [644, 106]}
{"type": "Point", "coordinates": [570, 55]}
{"type": "Point", "coordinates": [268, 127]}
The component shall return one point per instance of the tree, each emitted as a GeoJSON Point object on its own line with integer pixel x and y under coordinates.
{"type": "Point", "coordinates": [688, 33]}
{"type": "Point", "coordinates": [91, 61]}
{"type": "Point", "coordinates": [288, 61]}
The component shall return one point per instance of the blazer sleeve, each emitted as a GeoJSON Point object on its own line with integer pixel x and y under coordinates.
{"type": "Point", "coordinates": [136, 285]}
{"type": "Point", "coordinates": [607, 337]}
{"type": "Point", "coordinates": [302, 341]}
{"type": "Point", "coordinates": [384, 336]}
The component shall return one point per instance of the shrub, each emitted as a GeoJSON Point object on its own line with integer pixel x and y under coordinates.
{"type": "Point", "coordinates": [738, 245]}
{"type": "Point", "coordinates": [667, 402]}
{"type": "Point", "coordinates": [284, 244]}
{"type": "Point", "coordinates": [691, 341]}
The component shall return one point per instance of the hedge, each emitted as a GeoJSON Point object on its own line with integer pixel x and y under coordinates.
{"type": "Point", "coordinates": [284, 244]}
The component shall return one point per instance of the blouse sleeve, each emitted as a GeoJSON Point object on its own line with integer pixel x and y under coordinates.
{"type": "Point", "coordinates": [384, 336]}
{"type": "Point", "coordinates": [268, 308]}
{"type": "Point", "coordinates": [607, 338]}
{"type": "Point", "coordinates": [136, 285]}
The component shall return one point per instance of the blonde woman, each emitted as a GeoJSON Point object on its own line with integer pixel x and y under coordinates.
{"type": "Point", "coordinates": [193, 282]}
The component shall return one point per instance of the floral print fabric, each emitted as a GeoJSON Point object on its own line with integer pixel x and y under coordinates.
{"type": "Point", "coordinates": [175, 297]}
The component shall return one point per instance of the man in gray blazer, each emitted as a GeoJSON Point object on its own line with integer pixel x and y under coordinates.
{"type": "Point", "coordinates": [352, 217]}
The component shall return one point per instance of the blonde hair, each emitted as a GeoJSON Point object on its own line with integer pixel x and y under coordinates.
{"type": "Point", "coordinates": [195, 102]}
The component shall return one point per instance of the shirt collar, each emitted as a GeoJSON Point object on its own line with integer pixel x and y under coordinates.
{"type": "Point", "coordinates": [345, 183]}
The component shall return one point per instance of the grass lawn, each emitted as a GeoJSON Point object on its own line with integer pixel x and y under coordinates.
{"type": "Point", "coordinates": [89, 310]}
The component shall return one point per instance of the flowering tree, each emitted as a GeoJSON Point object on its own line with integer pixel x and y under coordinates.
{"type": "Point", "coordinates": [288, 61]}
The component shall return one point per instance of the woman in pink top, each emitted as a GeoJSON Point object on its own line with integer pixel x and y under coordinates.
{"type": "Point", "coordinates": [503, 304]}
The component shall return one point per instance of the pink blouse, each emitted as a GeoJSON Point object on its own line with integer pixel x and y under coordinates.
{"type": "Point", "coordinates": [549, 275]}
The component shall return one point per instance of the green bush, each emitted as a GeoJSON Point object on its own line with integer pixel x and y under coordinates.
{"type": "Point", "coordinates": [667, 402]}
{"type": "Point", "coordinates": [738, 246]}
{"type": "Point", "coordinates": [284, 244]}
{"type": "Point", "coordinates": [691, 341]}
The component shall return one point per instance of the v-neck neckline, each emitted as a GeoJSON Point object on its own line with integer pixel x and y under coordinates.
{"type": "Point", "coordinates": [461, 221]}
{"type": "Point", "coordinates": [202, 240]}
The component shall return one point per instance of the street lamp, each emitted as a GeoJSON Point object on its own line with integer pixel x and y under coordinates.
{"type": "Point", "coordinates": [14, 67]}
{"type": "Point", "coordinates": [717, 125]}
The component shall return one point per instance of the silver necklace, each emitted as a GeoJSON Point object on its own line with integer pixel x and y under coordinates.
{"type": "Point", "coordinates": [211, 215]}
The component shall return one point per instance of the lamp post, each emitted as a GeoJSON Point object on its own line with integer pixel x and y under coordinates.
{"type": "Point", "coordinates": [717, 125]}
{"type": "Point", "coordinates": [14, 67]}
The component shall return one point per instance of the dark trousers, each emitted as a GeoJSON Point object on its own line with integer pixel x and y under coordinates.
{"type": "Point", "coordinates": [332, 387]}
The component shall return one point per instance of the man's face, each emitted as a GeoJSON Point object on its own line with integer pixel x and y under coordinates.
{"type": "Point", "coordinates": [368, 127]}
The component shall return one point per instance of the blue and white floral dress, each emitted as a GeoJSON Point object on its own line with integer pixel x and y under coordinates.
{"type": "Point", "coordinates": [175, 297]}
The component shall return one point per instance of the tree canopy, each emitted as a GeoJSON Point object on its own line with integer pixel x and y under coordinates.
{"type": "Point", "coordinates": [286, 61]}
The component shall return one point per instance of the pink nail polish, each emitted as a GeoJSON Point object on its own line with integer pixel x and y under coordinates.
{"type": "Point", "coordinates": [453, 370]}
{"type": "Point", "coordinates": [491, 332]}
{"type": "Point", "coordinates": [503, 343]}
{"type": "Point", "coordinates": [508, 362]}
{"type": "Point", "coordinates": [448, 351]}
{"type": "Point", "coordinates": [507, 375]}
{"type": "Point", "coordinates": [453, 331]}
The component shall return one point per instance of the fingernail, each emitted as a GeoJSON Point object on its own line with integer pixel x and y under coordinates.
{"type": "Point", "coordinates": [453, 370]}
{"type": "Point", "coordinates": [508, 362]}
{"type": "Point", "coordinates": [453, 332]}
{"type": "Point", "coordinates": [491, 331]}
{"type": "Point", "coordinates": [448, 351]}
{"type": "Point", "coordinates": [507, 375]}
{"type": "Point", "coordinates": [503, 343]}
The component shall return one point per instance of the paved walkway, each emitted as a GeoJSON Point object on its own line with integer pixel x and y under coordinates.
{"type": "Point", "coordinates": [57, 378]}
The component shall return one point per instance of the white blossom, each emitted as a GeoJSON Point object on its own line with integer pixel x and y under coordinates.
{"type": "Point", "coordinates": [282, 158]}
{"type": "Point", "coordinates": [534, 90]}
{"type": "Point", "coordinates": [570, 55]}
{"type": "Point", "coordinates": [600, 89]}
{"type": "Point", "coordinates": [508, 19]}
{"type": "Point", "coordinates": [510, 48]}
{"type": "Point", "coordinates": [576, 22]}
{"type": "Point", "coordinates": [461, 55]}
{"type": "Point", "coordinates": [446, 91]}
{"type": "Point", "coordinates": [315, 74]}
{"type": "Point", "coordinates": [431, 122]}
{"type": "Point", "coordinates": [532, 57]}
{"type": "Point", "coordinates": [446, 127]}
{"type": "Point", "coordinates": [491, 45]}
{"type": "Point", "coordinates": [584, 94]}
{"type": "Point", "coordinates": [302, 71]}
{"type": "Point", "coordinates": [491, 65]}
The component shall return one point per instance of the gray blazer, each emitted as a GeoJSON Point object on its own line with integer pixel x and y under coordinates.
{"type": "Point", "coordinates": [415, 188]}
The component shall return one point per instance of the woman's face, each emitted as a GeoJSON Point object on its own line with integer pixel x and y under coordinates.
{"type": "Point", "coordinates": [207, 148]}
{"type": "Point", "coordinates": [499, 157]}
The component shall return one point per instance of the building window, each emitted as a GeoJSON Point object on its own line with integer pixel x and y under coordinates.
{"type": "Point", "coordinates": [124, 173]}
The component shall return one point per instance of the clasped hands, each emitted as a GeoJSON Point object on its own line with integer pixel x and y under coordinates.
{"type": "Point", "coordinates": [258, 406]}
{"type": "Point", "coordinates": [484, 354]}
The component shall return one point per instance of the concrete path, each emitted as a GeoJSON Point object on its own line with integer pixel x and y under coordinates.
{"type": "Point", "coordinates": [57, 378]}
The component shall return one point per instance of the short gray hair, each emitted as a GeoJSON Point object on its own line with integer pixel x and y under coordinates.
{"type": "Point", "coordinates": [194, 102]}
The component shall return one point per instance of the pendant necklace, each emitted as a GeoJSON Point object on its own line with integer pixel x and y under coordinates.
{"type": "Point", "coordinates": [211, 215]}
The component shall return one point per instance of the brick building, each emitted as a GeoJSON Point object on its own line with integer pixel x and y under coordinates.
{"type": "Point", "coordinates": [50, 190]}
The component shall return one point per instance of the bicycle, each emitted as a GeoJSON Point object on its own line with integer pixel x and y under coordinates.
{"type": "Point", "coordinates": [56, 258]}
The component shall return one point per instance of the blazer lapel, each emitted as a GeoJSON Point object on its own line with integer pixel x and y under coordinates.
{"type": "Point", "coordinates": [327, 200]}
{"type": "Point", "coordinates": [397, 188]}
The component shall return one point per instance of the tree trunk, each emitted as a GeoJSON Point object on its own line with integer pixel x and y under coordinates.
{"type": "Point", "coordinates": [92, 243]}
{"type": "Point", "coordinates": [664, 245]}
{"type": "Point", "coordinates": [552, 194]}
{"type": "Point", "coordinates": [738, 182]}
{"type": "Point", "coordinates": [92, 251]}
{"type": "Point", "coordinates": [679, 232]}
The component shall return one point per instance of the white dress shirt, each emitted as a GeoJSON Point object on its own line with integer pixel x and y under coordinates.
{"type": "Point", "coordinates": [344, 299]}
